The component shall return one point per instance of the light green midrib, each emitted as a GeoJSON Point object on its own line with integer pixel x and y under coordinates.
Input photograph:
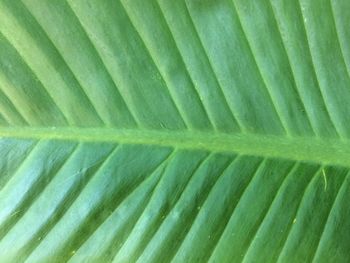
{"type": "Point", "coordinates": [300, 149]}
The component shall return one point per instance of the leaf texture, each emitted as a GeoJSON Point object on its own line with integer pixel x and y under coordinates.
{"type": "Point", "coordinates": [174, 131]}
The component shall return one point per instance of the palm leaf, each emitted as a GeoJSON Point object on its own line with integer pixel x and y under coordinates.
{"type": "Point", "coordinates": [174, 131]}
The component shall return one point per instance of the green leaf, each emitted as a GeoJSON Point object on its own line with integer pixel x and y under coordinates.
{"type": "Point", "coordinates": [174, 131]}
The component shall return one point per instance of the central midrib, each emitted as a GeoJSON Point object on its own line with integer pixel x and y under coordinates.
{"type": "Point", "coordinates": [296, 148]}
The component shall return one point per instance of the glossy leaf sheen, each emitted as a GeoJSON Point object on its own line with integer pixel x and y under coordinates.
{"type": "Point", "coordinates": [174, 131]}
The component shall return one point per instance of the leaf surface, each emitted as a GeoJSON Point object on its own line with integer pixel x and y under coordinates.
{"type": "Point", "coordinates": [174, 131]}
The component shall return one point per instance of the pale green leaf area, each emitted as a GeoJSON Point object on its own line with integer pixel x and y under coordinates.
{"type": "Point", "coordinates": [157, 131]}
